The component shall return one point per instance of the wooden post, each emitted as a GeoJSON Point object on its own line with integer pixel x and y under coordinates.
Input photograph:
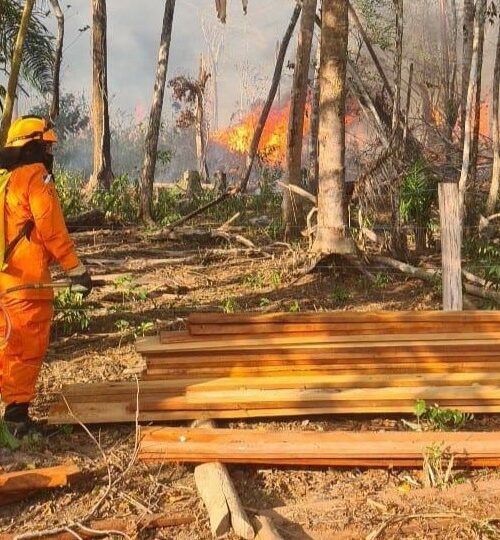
{"type": "Point", "coordinates": [449, 212]}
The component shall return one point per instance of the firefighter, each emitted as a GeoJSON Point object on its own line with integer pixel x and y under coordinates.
{"type": "Point", "coordinates": [34, 235]}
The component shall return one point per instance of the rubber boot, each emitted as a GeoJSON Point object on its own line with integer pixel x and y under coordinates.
{"type": "Point", "coordinates": [18, 421]}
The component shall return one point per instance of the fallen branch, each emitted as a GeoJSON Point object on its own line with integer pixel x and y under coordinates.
{"type": "Point", "coordinates": [299, 191]}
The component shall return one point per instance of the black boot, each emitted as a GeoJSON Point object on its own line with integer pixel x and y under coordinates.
{"type": "Point", "coordinates": [17, 419]}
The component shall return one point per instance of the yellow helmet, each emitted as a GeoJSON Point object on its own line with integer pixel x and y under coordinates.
{"type": "Point", "coordinates": [30, 128]}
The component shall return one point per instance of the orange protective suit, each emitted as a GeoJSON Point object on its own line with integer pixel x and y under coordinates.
{"type": "Point", "coordinates": [31, 195]}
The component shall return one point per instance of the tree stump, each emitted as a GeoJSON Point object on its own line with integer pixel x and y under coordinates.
{"type": "Point", "coordinates": [220, 182]}
{"type": "Point", "coordinates": [191, 184]}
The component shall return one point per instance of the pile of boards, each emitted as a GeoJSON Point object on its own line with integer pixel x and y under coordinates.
{"type": "Point", "coordinates": [254, 365]}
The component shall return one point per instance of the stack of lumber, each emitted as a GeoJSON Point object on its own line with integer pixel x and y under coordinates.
{"type": "Point", "coordinates": [339, 448]}
{"type": "Point", "coordinates": [248, 365]}
{"type": "Point", "coordinates": [15, 486]}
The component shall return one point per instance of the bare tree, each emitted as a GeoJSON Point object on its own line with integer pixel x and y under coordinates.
{"type": "Point", "coordinates": [467, 44]}
{"type": "Point", "coordinates": [15, 67]}
{"type": "Point", "coordinates": [470, 107]}
{"type": "Point", "coordinates": [54, 107]}
{"type": "Point", "coordinates": [398, 62]}
{"type": "Point", "coordinates": [192, 94]}
{"type": "Point", "coordinates": [495, 133]}
{"type": "Point", "coordinates": [293, 216]}
{"type": "Point", "coordinates": [102, 175]}
{"type": "Point", "coordinates": [332, 233]}
{"type": "Point", "coordinates": [313, 131]}
{"type": "Point", "coordinates": [153, 133]}
{"type": "Point", "coordinates": [214, 38]}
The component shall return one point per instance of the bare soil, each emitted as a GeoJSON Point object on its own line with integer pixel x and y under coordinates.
{"type": "Point", "coordinates": [323, 503]}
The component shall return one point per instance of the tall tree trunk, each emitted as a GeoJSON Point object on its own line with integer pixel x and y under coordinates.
{"type": "Point", "coordinates": [468, 39]}
{"type": "Point", "coordinates": [332, 233]}
{"type": "Point", "coordinates": [495, 174]}
{"type": "Point", "coordinates": [313, 132]}
{"type": "Point", "coordinates": [445, 67]}
{"type": "Point", "coordinates": [15, 66]}
{"type": "Point", "coordinates": [477, 103]}
{"type": "Point", "coordinates": [153, 133]}
{"type": "Point", "coordinates": [470, 110]}
{"type": "Point", "coordinates": [270, 97]}
{"type": "Point", "coordinates": [398, 244]}
{"type": "Point", "coordinates": [200, 122]}
{"type": "Point", "coordinates": [293, 214]}
{"type": "Point", "coordinates": [102, 175]}
{"type": "Point", "coordinates": [54, 107]}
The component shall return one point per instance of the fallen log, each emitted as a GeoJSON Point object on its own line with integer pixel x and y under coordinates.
{"type": "Point", "coordinates": [265, 528]}
{"type": "Point", "coordinates": [221, 498]}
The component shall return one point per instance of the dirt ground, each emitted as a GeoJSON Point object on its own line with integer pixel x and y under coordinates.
{"type": "Point", "coordinates": [178, 276]}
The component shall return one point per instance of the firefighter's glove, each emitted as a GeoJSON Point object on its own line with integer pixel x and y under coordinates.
{"type": "Point", "coordinates": [80, 280]}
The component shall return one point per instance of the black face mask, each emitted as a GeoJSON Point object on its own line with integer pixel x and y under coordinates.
{"type": "Point", "coordinates": [49, 162]}
{"type": "Point", "coordinates": [35, 152]}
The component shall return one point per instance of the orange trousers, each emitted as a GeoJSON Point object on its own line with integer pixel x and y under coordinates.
{"type": "Point", "coordinates": [22, 357]}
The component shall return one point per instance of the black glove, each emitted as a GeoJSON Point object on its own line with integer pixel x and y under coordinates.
{"type": "Point", "coordinates": [81, 281]}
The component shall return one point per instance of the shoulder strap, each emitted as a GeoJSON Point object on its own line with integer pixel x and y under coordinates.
{"type": "Point", "coordinates": [4, 179]}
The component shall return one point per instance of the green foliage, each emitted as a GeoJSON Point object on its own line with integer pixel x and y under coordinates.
{"type": "Point", "coordinates": [7, 440]}
{"type": "Point", "coordinates": [130, 289]}
{"type": "Point", "coordinates": [71, 312]}
{"type": "Point", "coordinates": [166, 206]}
{"type": "Point", "coordinates": [120, 200]}
{"type": "Point", "coordinates": [380, 29]}
{"type": "Point", "coordinates": [264, 302]}
{"type": "Point", "coordinates": [38, 51]}
{"type": "Point", "coordinates": [418, 195]}
{"type": "Point", "coordinates": [254, 281]}
{"type": "Point", "coordinates": [230, 306]}
{"type": "Point", "coordinates": [275, 278]}
{"type": "Point", "coordinates": [340, 294]}
{"type": "Point", "coordinates": [485, 258]}
{"type": "Point", "coordinates": [382, 279]}
{"type": "Point", "coordinates": [441, 419]}
{"type": "Point", "coordinates": [69, 188]}
{"type": "Point", "coordinates": [294, 307]}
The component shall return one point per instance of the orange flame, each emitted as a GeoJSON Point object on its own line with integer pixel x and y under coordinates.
{"type": "Point", "coordinates": [273, 143]}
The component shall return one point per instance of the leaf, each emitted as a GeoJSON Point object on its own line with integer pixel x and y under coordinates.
{"type": "Point", "coordinates": [420, 408]}
{"type": "Point", "coordinates": [7, 440]}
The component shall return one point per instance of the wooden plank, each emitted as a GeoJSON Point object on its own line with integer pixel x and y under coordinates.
{"type": "Point", "coordinates": [198, 331]}
{"type": "Point", "coordinates": [342, 316]}
{"type": "Point", "coordinates": [293, 342]}
{"type": "Point", "coordinates": [116, 391]}
{"type": "Point", "coordinates": [111, 412]}
{"type": "Point", "coordinates": [323, 448]}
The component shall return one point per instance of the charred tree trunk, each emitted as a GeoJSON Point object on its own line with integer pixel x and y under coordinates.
{"type": "Point", "coordinates": [270, 98]}
{"type": "Point", "coordinates": [332, 233]}
{"type": "Point", "coordinates": [54, 107]}
{"type": "Point", "coordinates": [102, 175]}
{"type": "Point", "coordinates": [293, 213]}
{"type": "Point", "coordinates": [468, 39]}
{"type": "Point", "coordinates": [153, 133]}
{"type": "Point", "coordinates": [313, 132]}
{"type": "Point", "coordinates": [495, 174]}
{"type": "Point", "coordinates": [470, 110]}
{"type": "Point", "coordinates": [15, 67]}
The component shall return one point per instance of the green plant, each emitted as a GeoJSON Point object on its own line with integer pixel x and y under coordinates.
{"type": "Point", "coordinates": [275, 278]}
{"type": "Point", "coordinates": [439, 418]}
{"type": "Point", "coordinates": [438, 466]}
{"type": "Point", "coordinates": [130, 289]}
{"type": "Point", "coordinates": [381, 280]}
{"type": "Point", "coordinates": [166, 207]}
{"type": "Point", "coordinates": [7, 440]}
{"type": "Point", "coordinates": [230, 306]}
{"type": "Point", "coordinates": [294, 307]}
{"type": "Point", "coordinates": [485, 258]}
{"type": "Point", "coordinates": [69, 188]}
{"type": "Point", "coordinates": [142, 329]}
{"type": "Point", "coordinates": [339, 294]}
{"type": "Point", "coordinates": [254, 281]}
{"type": "Point", "coordinates": [120, 200]}
{"type": "Point", "coordinates": [71, 312]}
{"type": "Point", "coordinates": [264, 302]}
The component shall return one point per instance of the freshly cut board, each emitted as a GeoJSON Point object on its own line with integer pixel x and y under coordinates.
{"type": "Point", "coordinates": [367, 449]}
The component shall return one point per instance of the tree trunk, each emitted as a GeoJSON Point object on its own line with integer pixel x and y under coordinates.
{"type": "Point", "coordinates": [313, 132]}
{"type": "Point", "coordinates": [54, 108]}
{"type": "Point", "coordinates": [495, 133]}
{"type": "Point", "coordinates": [477, 103]}
{"type": "Point", "coordinates": [270, 98]}
{"type": "Point", "coordinates": [468, 39]}
{"type": "Point", "coordinates": [102, 174]}
{"type": "Point", "coordinates": [447, 102]}
{"type": "Point", "coordinates": [293, 214]}
{"type": "Point", "coordinates": [15, 66]}
{"type": "Point", "coordinates": [200, 126]}
{"type": "Point", "coordinates": [153, 133]}
{"type": "Point", "coordinates": [332, 234]}
{"type": "Point", "coordinates": [398, 64]}
{"type": "Point", "coordinates": [470, 110]}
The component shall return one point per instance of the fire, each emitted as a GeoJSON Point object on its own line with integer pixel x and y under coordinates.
{"type": "Point", "coordinates": [273, 143]}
